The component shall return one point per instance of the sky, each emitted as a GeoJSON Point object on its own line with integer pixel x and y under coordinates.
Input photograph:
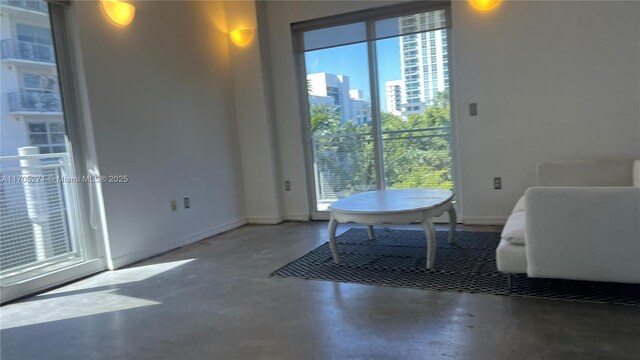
{"type": "Point", "coordinates": [352, 60]}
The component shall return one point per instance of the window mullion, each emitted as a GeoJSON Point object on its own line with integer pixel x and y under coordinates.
{"type": "Point", "coordinates": [375, 105]}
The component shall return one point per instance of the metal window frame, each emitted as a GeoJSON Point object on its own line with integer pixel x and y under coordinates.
{"type": "Point", "coordinates": [66, 46]}
{"type": "Point", "coordinates": [94, 259]}
{"type": "Point", "coordinates": [369, 17]}
{"type": "Point", "coordinates": [373, 14]}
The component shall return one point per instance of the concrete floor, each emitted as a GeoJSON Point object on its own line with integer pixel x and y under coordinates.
{"type": "Point", "coordinates": [214, 300]}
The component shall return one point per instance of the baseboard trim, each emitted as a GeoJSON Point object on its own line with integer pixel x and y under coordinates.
{"type": "Point", "coordinates": [297, 217]}
{"type": "Point", "coordinates": [485, 220]}
{"type": "Point", "coordinates": [264, 220]}
{"type": "Point", "coordinates": [201, 235]}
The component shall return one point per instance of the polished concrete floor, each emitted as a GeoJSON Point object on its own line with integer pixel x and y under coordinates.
{"type": "Point", "coordinates": [214, 300]}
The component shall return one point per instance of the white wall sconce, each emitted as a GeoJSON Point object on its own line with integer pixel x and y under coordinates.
{"type": "Point", "coordinates": [119, 12]}
{"type": "Point", "coordinates": [484, 5]}
{"type": "Point", "coordinates": [242, 37]}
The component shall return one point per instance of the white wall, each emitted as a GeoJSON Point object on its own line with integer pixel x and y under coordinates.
{"type": "Point", "coordinates": [258, 149]}
{"type": "Point", "coordinates": [553, 80]}
{"type": "Point", "coordinates": [163, 113]}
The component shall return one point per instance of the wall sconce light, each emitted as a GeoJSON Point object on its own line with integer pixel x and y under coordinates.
{"type": "Point", "coordinates": [119, 12]}
{"type": "Point", "coordinates": [242, 37]}
{"type": "Point", "coordinates": [484, 5]}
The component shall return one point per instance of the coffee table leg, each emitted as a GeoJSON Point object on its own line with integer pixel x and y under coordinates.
{"type": "Point", "coordinates": [452, 224]}
{"type": "Point", "coordinates": [333, 225]}
{"type": "Point", "coordinates": [430, 234]}
{"type": "Point", "coordinates": [370, 232]}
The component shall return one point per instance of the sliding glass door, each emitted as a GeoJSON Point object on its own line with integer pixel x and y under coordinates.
{"type": "Point", "coordinates": [44, 239]}
{"type": "Point", "coordinates": [340, 122]}
{"type": "Point", "coordinates": [377, 103]}
{"type": "Point", "coordinates": [415, 119]}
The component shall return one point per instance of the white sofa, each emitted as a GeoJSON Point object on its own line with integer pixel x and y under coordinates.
{"type": "Point", "coordinates": [582, 222]}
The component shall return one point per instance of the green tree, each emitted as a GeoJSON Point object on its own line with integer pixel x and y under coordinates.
{"type": "Point", "coordinates": [416, 149]}
{"type": "Point", "coordinates": [421, 157]}
{"type": "Point", "coordinates": [343, 151]}
{"type": "Point", "coordinates": [325, 120]}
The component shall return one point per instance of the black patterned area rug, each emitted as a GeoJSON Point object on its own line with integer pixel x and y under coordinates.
{"type": "Point", "coordinates": [397, 258]}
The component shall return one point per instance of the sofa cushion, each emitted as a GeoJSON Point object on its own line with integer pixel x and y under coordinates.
{"type": "Point", "coordinates": [514, 229]}
{"type": "Point", "coordinates": [636, 173]}
{"type": "Point", "coordinates": [511, 258]}
{"type": "Point", "coordinates": [519, 205]}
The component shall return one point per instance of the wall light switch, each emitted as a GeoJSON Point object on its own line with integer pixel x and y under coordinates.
{"type": "Point", "coordinates": [473, 109]}
{"type": "Point", "coordinates": [187, 202]}
{"type": "Point", "coordinates": [287, 185]}
{"type": "Point", "coordinates": [174, 205]}
{"type": "Point", "coordinates": [497, 183]}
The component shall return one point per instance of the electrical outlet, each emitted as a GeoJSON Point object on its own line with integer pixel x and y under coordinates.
{"type": "Point", "coordinates": [187, 202]}
{"type": "Point", "coordinates": [497, 183]}
{"type": "Point", "coordinates": [174, 205]}
{"type": "Point", "coordinates": [287, 185]}
{"type": "Point", "coordinates": [473, 109]}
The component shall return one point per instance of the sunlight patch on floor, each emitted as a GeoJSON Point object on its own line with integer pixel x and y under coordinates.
{"type": "Point", "coordinates": [78, 299]}
{"type": "Point", "coordinates": [68, 307]}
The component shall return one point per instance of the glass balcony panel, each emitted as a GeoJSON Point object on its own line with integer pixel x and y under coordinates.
{"type": "Point", "coordinates": [25, 50]}
{"type": "Point", "coordinates": [34, 102]}
{"type": "Point", "coordinates": [33, 5]}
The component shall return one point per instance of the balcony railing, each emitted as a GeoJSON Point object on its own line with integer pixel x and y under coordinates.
{"type": "Point", "coordinates": [34, 102]}
{"type": "Point", "coordinates": [34, 206]}
{"type": "Point", "coordinates": [344, 161]}
{"type": "Point", "coordinates": [24, 50]}
{"type": "Point", "coordinates": [33, 5]}
{"type": "Point", "coordinates": [341, 165]}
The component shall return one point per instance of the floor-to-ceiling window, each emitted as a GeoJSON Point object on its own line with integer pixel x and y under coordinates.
{"type": "Point", "coordinates": [44, 237]}
{"type": "Point", "coordinates": [377, 100]}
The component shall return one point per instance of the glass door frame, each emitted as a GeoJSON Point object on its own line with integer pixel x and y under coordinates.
{"type": "Point", "coordinates": [369, 17]}
{"type": "Point", "coordinates": [87, 230]}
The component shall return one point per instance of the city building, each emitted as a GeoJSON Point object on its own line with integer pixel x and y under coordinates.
{"type": "Point", "coordinates": [395, 95]}
{"type": "Point", "coordinates": [31, 105]}
{"type": "Point", "coordinates": [424, 64]}
{"type": "Point", "coordinates": [423, 57]}
{"type": "Point", "coordinates": [360, 107]}
{"type": "Point", "coordinates": [32, 217]}
{"type": "Point", "coordinates": [330, 89]}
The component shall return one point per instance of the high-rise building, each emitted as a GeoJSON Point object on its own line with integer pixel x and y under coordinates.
{"type": "Point", "coordinates": [33, 219]}
{"type": "Point", "coordinates": [424, 64]}
{"type": "Point", "coordinates": [423, 57]}
{"type": "Point", "coordinates": [360, 107]}
{"type": "Point", "coordinates": [395, 95]}
{"type": "Point", "coordinates": [330, 89]}
{"type": "Point", "coordinates": [31, 112]}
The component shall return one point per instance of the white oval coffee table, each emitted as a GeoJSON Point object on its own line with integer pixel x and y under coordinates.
{"type": "Point", "coordinates": [394, 206]}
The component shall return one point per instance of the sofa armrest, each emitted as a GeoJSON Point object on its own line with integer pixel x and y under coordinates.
{"type": "Point", "coordinates": [583, 233]}
{"type": "Point", "coordinates": [618, 172]}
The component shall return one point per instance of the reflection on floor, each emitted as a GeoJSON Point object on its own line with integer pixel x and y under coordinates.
{"type": "Point", "coordinates": [214, 299]}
